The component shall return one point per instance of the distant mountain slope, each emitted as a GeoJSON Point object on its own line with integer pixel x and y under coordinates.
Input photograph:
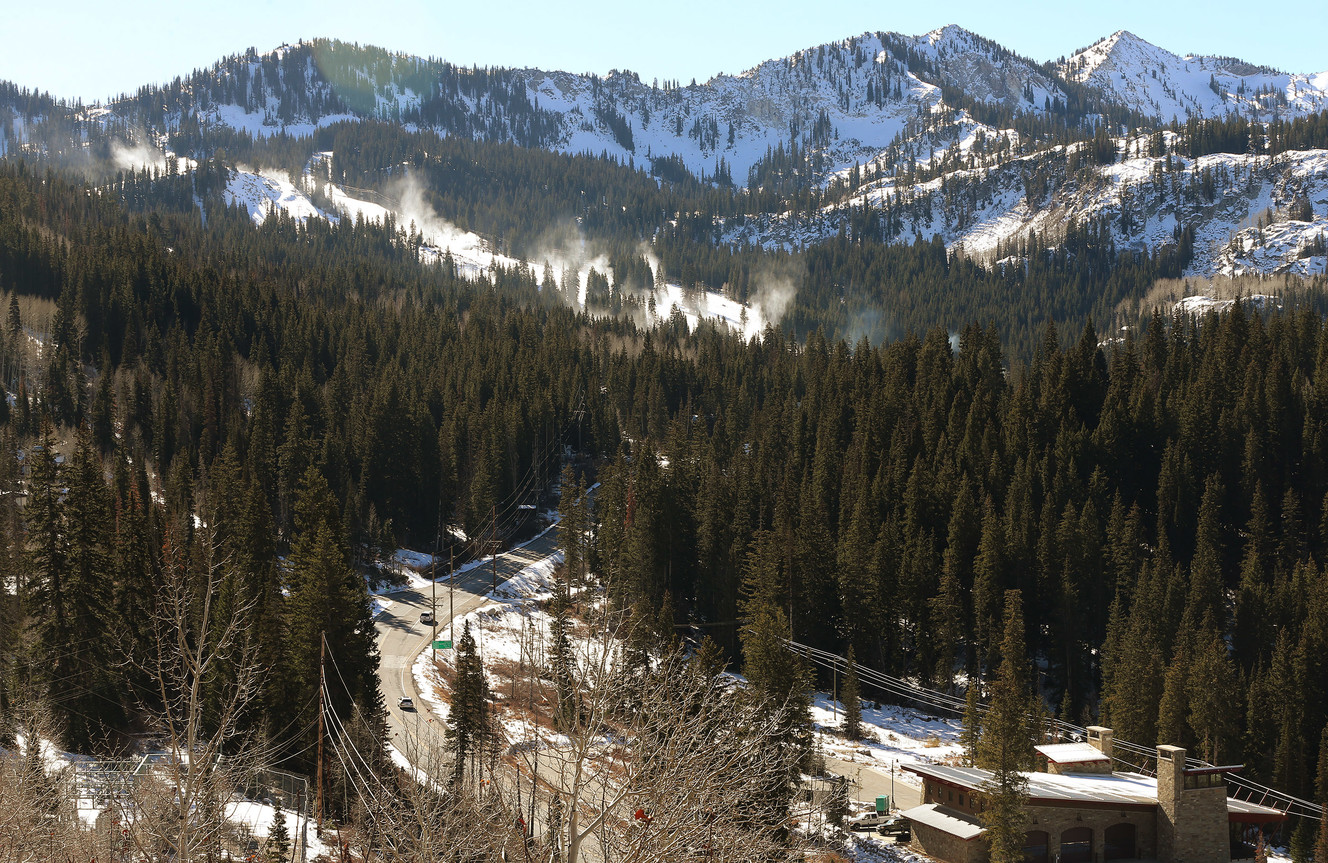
{"type": "Point", "coordinates": [1247, 214]}
{"type": "Point", "coordinates": [847, 101]}
{"type": "Point", "coordinates": [946, 135]}
{"type": "Point", "coordinates": [839, 104]}
{"type": "Point", "coordinates": [1156, 82]}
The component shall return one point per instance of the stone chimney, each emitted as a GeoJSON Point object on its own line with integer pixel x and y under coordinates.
{"type": "Point", "coordinates": [1191, 811]}
{"type": "Point", "coordinates": [1100, 739]}
{"type": "Point", "coordinates": [1170, 783]}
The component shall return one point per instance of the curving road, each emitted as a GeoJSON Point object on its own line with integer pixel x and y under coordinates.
{"type": "Point", "coordinates": [401, 638]}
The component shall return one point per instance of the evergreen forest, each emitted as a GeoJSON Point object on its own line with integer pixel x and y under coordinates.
{"type": "Point", "coordinates": [274, 406]}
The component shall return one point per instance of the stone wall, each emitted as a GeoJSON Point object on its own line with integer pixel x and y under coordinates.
{"type": "Point", "coordinates": [1055, 820]}
{"type": "Point", "coordinates": [943, 846]}
{"type": "Point", "coordinates": [1094, 767]}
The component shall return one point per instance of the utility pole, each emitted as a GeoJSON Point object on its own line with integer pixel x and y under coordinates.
{"type": "Point", "coordinates": [433, 597]}
{"type": "Point", "coordinates": [451, 583]}
{"type": "Point", "coordinates": [493, 518]}
{"type": "Point", "coordinates": [322, 704]}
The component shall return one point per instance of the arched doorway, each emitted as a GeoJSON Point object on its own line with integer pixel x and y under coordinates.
{"type": "Point", "coordinates": [1035, 846]}
{"type": "Point", "coordinates": [1118, 842]}
{"type": "Point", "coordinates": [1077, 845]}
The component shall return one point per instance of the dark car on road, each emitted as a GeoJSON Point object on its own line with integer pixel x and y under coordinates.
{"type": "Point", "coordinates": [897, 827]}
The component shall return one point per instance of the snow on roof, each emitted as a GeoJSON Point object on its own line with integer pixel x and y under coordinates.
{"type": "Point", "coordinates": [1244, 810]}
{"type": "Point", "coordinates": [1071, 753]}
{"type": "Point", "coordinates": [1116, 789]}
{"type": "Point", "coordinates": [1113, 788]}
{"type": "Point", "coordinates": [933, 815]}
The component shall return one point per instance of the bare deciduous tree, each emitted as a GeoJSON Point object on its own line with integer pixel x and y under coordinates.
{"type": "Point", "coordinates": [176, 807]}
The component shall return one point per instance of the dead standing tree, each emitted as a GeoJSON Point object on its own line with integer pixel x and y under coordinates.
{"type": "Point", "coordinates": [663, 763]}
{"type": "Point", "coordinates": [203, 645]}
{"type": "Point", "coordinates": [656, 763]}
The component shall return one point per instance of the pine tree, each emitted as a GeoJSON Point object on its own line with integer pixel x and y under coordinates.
{"type": "Point", "coordinates": [1214, 699]}
{"type": "Point", "coordinates": [852, 697]}
{"type": "Point", "coordinates": [1006, 747]}
{"type": "Point", "coordinates": [1321, 840]}
{"type": "Point", "coordinates": [278, 838]}
{"type": "Point", "coordinates": [15, 320]}
{"type": "Point", "coordinates": [562, 661]}
{"type": "Point", "coordinates": [571, 529]}
{"type": "Point", "coordinates": [1173, 711]}
{"type": "Point", "coordinates": [946, 629]}
{"type": "Point", "coordinates": [328, 599]}
{"type": "Point", "coordinates": [988, 576]}
{"type": "Point", "coordinates": [972, 732]}
{"type": "Point", "coordinates": [468, 722]}
{"type": "Point", "coordinates": [88, 560]}
{"type": "Point", "coordinates": [779, 679]}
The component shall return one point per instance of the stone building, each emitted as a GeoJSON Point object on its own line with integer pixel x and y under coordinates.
{"type": "Point", "coordinates": [1081, 811]}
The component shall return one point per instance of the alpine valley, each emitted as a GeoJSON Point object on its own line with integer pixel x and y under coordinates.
{"type": "Point", "coordinates": [727, 199]}
{"type": "Point", "coordinates": [402, 461]}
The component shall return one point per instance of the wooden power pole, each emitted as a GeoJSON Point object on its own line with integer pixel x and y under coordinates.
{"type": "Point", "coordinates": [322, 704]}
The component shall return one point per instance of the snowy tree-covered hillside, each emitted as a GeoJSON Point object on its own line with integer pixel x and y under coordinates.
{"type": "Point", "coordinates": [1161, 84]}
{"type": "Point", "coordinates": [1243, 213]}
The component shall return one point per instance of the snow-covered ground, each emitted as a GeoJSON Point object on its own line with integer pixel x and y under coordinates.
{"type": "Point", "coordinates": [892, 736]}
{"type": "Point", "coordinates": [254, 817]}
{"type": "Point", "coordinates": [1200, 305]}
{"type": "Point", "coordinates": [257, 817]}
{"type": "Point", "coordinates": [266, 193]}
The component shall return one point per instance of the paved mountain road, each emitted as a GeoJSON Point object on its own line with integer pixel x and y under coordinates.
{"type": "Point", "coordinates": [401, 638]}
{"type": "Point", "coordinates": [875, 781]}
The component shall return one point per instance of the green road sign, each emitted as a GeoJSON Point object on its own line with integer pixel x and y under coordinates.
{"type": "Point", "coordinates": [442, 645]}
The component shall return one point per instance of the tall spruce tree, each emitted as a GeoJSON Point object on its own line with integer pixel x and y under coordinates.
{"type": "Point", "coordinates": [972, 733]}
{"type": "Point", "coordinates": [852, 698]}
{"type": "Point", "coordinates": [562, 661]}
{"type": "Point", "coordinates": [92, 694]}
{"type": "Point", "coordinates": [469, 726]}
{"type": "Point", "coordinates": [1006, 745]}
{"type": "Point", "coordinates": [781, 681]}
{"type": "Point", "coordinates": [328, 600]}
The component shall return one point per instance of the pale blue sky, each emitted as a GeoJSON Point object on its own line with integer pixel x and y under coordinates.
{"type": "Point", "coordinates": [92, 49]}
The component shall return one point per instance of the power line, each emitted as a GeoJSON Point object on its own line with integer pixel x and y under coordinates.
{"type": "Point", "coordinates": [1287, 803]}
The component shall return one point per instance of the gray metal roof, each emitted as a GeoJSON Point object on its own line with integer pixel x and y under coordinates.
{"type": "Point", "coordinates": [1106, 788]}
{"type": "Point", "coordinates": [1071, 753]}
{"type": "Point", "coordinates": [945, 820]}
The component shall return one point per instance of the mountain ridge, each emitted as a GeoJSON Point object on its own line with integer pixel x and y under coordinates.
{"type": "Point", "coordinates": [947, 134]}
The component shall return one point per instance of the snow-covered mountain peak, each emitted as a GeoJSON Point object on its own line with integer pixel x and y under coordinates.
{"type": "Point", "coordinates": [1119, 52]}
{"type": "Point", "coordinates": [1155, 82]}
{"type": "Point", "coordinates": [950, 36]}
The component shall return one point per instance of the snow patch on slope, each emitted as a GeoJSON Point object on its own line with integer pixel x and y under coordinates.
{"type": "Point", "coordinates": [1161, 84]}
{"type": "Point", "coordinates": [264, 193]}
